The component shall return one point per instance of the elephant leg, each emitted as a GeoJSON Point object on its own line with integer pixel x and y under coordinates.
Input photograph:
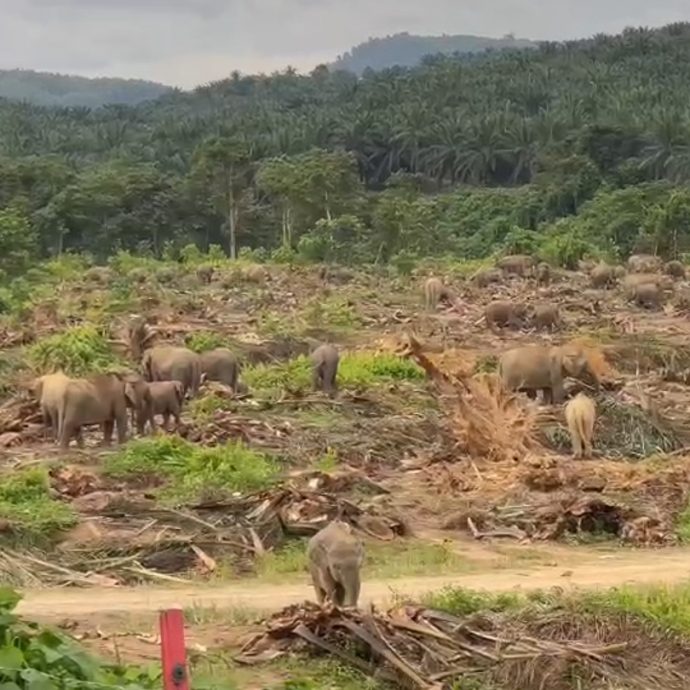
{"type": "Point", "coordinates": [121, 421]}
{"type": "Point", "coordinates": [108, 427]}
{"type": "Point", "coordinates": [548, 396]}
{"type": "Point", "coordinates": [577, 446]}
{"type": "Point", "coordinates": [176, 415]}
{"type": "Point", "coordinates": [166, 421]}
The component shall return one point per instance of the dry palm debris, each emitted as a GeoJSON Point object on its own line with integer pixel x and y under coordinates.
{"type": "Point", "coordinates": [414, 647]}
{"type": "Point", "coordinates": [487, 421]}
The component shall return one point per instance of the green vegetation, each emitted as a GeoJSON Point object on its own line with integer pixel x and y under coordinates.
{"type": "Point", "coordinates": [667, 607]}
{"type": "Point", "coordinates": [408, 50]}
{"type": "Point", "coordinates": [202, 341]}
{"type": "Point", "coordinates": [356, 369]}
{"type": "Point", "coordinates": [34, 658]}
{"type": "Point", "coordinates": [563, 149]}
{"type": "Point", "coordinates": [192, 471]}
{"type": "Point", "coordinates": [44, 88]}
{"type": "Point", "coordinates": [77, 351]}
{"type": "Point", "coordinates": [25, 503]}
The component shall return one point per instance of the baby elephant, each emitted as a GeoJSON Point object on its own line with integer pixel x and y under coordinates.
{"type": "Point", "coordinates": [435, 291]}
{"type": "Point", "coordinates": [162, 398]}
{"type": "Point", "coordinates": [647, 295]}
{"type": "Point", "coordinates": [335, 557]}
{"type": "Point", "coordinates": [580, 414]}
{"type": "Point", "coordinates": [502, 313]}
{"type": "Point", "coordinates": [49, 390]}
{"type": "Point", "coordinates": [325, 361]}
{"type": "Point", "coordinates": [546, 316]}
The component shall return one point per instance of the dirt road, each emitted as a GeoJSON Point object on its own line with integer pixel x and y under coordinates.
{"type": "Point", "coordinates": [664, 566]}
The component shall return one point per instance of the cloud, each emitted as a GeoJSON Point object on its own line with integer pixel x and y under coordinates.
{"type": "Point", "coordinates": [186, 42]}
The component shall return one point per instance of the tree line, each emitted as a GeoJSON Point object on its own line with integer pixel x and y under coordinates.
{"type": "Point", "coordinates": [567, 149]}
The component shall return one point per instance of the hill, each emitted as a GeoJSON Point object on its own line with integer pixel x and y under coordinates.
{"type": "Point", "coordinates": [408, 50]}
{"type": "Point", "coordinates": [44, 88]}
{"type": "Point", "coordinates": [569, 149]}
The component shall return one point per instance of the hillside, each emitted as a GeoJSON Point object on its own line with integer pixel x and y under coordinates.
{"type": "Point", "coordinates": [44, 88]}
{"type": "Point", "coordinates": [565, 150]}
{"type": "Point", "coordinates": [407, 50]}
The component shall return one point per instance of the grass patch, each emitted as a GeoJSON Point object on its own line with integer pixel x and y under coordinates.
{"type": "Point", "coordinates": [202, 409]}
{"type": "Point", "coordinates": [683, 525]}
{"type": "Point", "coordinates": [667, 607]}
{"type": "Point", "coordinates": [192, 471]}
{"type": "Point", "coordinates": [77, 351]}
{"type": "Point", "coordinates": [203, 341]}
{"type": "Point", "coordinates": [464, 602]}
{"type": "Point", "coordinates": [356, 369]}
{"type": "Point", "coordinates": [333, 314]}
{"type": "Point", "coordinates": [388, 560]}
{"type": "Point", "coordinates": [382, 560]}
{"type": "Point", "coordinates": [26, 504]}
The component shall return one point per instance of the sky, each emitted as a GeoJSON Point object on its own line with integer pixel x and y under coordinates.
{"type": "Point", "coordinates": [190, 42]}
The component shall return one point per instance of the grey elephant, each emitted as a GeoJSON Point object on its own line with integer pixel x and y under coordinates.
{"type": "Point", "coordinates": [502, 313]}
{"type": "Point", "coordinates": [516, 264]}
{"type": "Point", "coordinates": [675, 269]}
{"type": "Point", "coordinates": [170, 363]}
{"type": "Point", "coordinates": [537, 368]}
{"type": "Point", "coordinates": [221, 365]}
{"type": "Point", "coordinates": [486, 276]}
{"type": "Point", "coordinates": [138, 399]}
{"type": "Point", "coordinates": [163, 398]}
{"type": "Point", "coordinates": [49, 390]}
{"type": "Point", "coordinates": [100, 400]}
{"type": "Point", "coordinates": [325, 360]}
{"type": "Point", "coordinates": [602, 276]}
{"type": "Point", "coordinates": [335, 558]}
{"type": "Point", "coordinates": [647, 295]}
{"type": "Point", "coordinates": [644, 263]}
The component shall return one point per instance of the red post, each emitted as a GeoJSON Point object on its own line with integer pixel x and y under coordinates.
{"type": "Point", "coordinates": [173, 650]}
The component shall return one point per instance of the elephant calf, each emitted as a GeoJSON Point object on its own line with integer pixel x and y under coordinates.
{"type": "Point", "coordinates": [580, 414]}
{"type": "Point", "coordinates": [49, 390]}
{"type": "Point", "coordinates": [516, 264]}
{"type": "Point", "coordinates": [325, 361]}
{"type": "Point", "coordinates": [335, 557]}
{"type": "Point", "coordinates": [98, 400]}
{"type": "Point", "coordinates": [543, 273]}
{"type": "Point", "coordinates": [675, 269]}
{"type": "Point", "coordinates": [486, 276]}
{"type": "Point", "coordinates": [546, 316]}
{"type": "Point", "coordinates": [501, 314]}
{"type": "Point", "coordinates": [435, 291]}
{"type": "Point", "coordinates": [647, 295]}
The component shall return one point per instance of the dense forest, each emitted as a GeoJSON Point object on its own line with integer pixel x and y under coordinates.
{"type": "Point", "coordinates": [570, 149]}
{"type": "Point", "coordinates": [408, 50]}
{"type": "Point", "coordinates": [43, 88]}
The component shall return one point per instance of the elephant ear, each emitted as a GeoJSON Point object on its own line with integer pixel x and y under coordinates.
{"type": "Point", "coordinates": [131, 395]}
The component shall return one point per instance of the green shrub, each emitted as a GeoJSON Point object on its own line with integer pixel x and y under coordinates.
{"type": "Point", "coordinates": [332, 313]}
{"type": "Point", "coordinates": [360, 369]}
{"type": "Point", "coordinates": [190, 470]}
{"type": "Point", "coordinates": [26, 504]}
{"type": "Point", "coordinates": [77, 351]}
{"type": "Point", "coordinates": [463, 602]}
{"type": "Point", "coordinates": [202, 341]}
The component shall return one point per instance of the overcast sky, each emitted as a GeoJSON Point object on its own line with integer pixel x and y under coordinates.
{"type": "Point", "coordinates": [188, 42]}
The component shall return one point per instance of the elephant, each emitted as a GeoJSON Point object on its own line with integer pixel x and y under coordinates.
{"type": "Point", "coordinates": [644, 263]}
{"type": "Point", "coordinates": [205, 274]}
{"type": "Point", "coordinates": [100, 400]}
{"type": "Point", "coordinates": [435, 291]}
{"type": "Point", "coordinates": [170, 363]}
{"type": "Point", "coordinates": [586, 265]}
{"type": "Point", "coordinates": [580, 414]}
{"type": "Point", "coordinates": [545, 316]}
{"type": "Point", "coordinates": [138, 397]}
{"type": "Point", "coordinates": [602, 276]}
{"type": "Point", "coordinates": [675, 269]}
{"type": "Point", "coordinates": [325, 359]}
{"type": "Point", "coordinates": [165, 398]}
{"type": "Point", "coordinates": [502, 313]}
{"type": "Point", "coordinates": [221, 365]}
{"type": "Point", "coordinates": [487, 276]}
{"type": "Point", "coordinates": [543, 273]}
{"type": "Point", "coordinates": [335, 558]}
{"type": "Point", "coordinates": [49, 390]}
{"type": "Point", "coordinates": [647, 295]}
{"type": "Point", "coordinates": [535, 367]}
{"type": "Point", "coordinates": [516, 264]}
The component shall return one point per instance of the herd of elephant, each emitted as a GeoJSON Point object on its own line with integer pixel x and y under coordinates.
{"type": "Point", "coordinates": [169, 375]}
{"type": "Point", "coordinates": [542, 369]}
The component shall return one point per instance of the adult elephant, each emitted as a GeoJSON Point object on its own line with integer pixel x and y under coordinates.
{"type": "Point", "coordinates": [221, 365]}
{"type": "Point", "coordinates": [170, 363]}
{"type": "Point", "coordinates": [534, 367]}
{"type": "Point", "coordinates": [100, 399]}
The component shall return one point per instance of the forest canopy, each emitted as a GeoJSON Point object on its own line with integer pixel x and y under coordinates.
{"type": "Point", "coordinates": [570, 149]}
